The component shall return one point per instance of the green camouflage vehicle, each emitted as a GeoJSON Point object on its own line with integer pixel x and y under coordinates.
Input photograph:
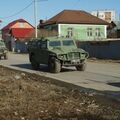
{"type": "Point", "coordinates": [56, 52]}
{"type": "Point", "coordinates": [3, 50]}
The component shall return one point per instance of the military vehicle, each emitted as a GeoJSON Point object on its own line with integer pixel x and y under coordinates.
{"type": "Point", "coordinates": [3, 50]}
{"type": "Point", "coordinates": [56, 52]}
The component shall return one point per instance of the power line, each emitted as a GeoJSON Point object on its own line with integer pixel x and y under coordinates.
{"type": "Point", "coordinates": [21, 10]}
{"type": "Point", "coordinates": [17, 12]}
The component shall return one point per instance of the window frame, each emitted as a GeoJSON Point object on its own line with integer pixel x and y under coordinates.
{"type": "Point", "coordinates": [98, 32]}
{"type": "Point", "coordinates": [89, 32]}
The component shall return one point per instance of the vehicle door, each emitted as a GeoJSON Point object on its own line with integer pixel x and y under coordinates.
{"type": "Point", "coordinates": [43, 52]}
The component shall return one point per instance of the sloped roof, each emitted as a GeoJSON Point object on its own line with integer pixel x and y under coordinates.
{"type": "Point", "coordinates": [75, 17]}
{"type": "Point", "coordinates": [21, 32]}
{"type": "Point", "coordinates": [117, 23]}
{"type": "Point", "coordinates": [14, 22]}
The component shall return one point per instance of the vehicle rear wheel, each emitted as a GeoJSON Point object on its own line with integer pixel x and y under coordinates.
{"type": "Point", "coordinates": [81, 67]}
{"type": "Point", "coordinates": [34, 64]}
{"type": "Point", "coordinates": [54, 65]}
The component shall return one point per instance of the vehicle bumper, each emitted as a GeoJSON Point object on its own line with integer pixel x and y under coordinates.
{"type": "Point", "coordinates": [2, 53]}
{"type": "Point", "coordinates": [73, 63]}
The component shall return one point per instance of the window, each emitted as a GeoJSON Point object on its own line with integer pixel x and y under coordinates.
{"type": "Point", "coordinates": [89, 32]}
{"type": "Point", "coordinates": [70, 32]}
{"type": "Point", "coordinates": [44, 44]}
{"type": "Point", "coordinates": [21, 25]}
{"type": "Point", "coordinates": [98, 32]}
{"type": "Point", "coordinates": [39, 44]}
{"type": "Point", "coordinates": [54, 43]}
{"type": "Point", "coordinates": [68, 43]}
{"type": "Point", "coordinates": [2, 43]}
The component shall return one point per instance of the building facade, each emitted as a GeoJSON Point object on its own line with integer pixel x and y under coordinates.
{"type": "Point", "coordinates": [82, 32]}
{"type": "Point", "coordinates": [107, 15]}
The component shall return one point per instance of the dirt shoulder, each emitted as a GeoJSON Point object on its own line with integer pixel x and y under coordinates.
{"type": "Point", "coordinates": [25, 96]}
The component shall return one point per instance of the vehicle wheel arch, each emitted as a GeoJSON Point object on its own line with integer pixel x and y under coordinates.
{"type": "Point", "coordinates": [57, 64]}
{"type": "Point", "coordinates": [30, 55]}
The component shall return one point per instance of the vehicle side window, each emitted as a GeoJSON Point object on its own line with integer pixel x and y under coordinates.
{"type": "Point", "coordinates": [33, 44]}
{"type": "Point", "coordinates": [43, 44]}
{"type": "Point", "coordinates": [54, 43]}
{"type": "Point", "coordinates": [39, 44]}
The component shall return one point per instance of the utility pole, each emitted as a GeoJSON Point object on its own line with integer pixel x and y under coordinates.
{"type": "Point", "coordinates": [35, 17]}
{"type": "Point", "coordinates": [0, 30]}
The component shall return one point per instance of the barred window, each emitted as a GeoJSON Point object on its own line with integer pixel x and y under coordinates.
{"type": "Point", "coordinates": [70, 32]}
{"type": "Point", "coordinates": [89, 32]}
{"type": "Point", "coordinates": [98, 33]}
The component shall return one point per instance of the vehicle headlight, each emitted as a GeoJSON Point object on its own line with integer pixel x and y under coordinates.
{"type": "Point", "coordinates": [63, 57]}
{"type": "Point", "coordinates": [5, 51]}
{"type": "Point", "coordinates": [82, 55]}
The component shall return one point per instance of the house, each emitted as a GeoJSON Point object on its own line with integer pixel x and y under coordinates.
{"type": "Point", "coordinates": [78, 24]}
{"type": "Point", "coordinates": [15, 34]}
{"type": "Point", "coordinates": [114, 29]}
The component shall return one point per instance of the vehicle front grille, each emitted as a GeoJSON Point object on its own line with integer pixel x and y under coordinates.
{"type": "Point", "coordinates": [73, 55]}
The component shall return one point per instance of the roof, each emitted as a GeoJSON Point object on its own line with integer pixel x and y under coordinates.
{"type": "Point", "coordinates": [117, 23]}
{"type": "Point", "coordinates": [14, 22]}
{"type": "Point", "coordinates": [75, 17]}
{"type": "Point", "coordinates": [21, 32]}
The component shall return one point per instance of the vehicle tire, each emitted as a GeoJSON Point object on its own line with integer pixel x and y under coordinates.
{"type": "Point", "coordinates": [34, 64]}
{"type": "Point", "coordinates": [81, 67]}
{"type": "Point", "coordinates": [54, 65]}
{"type": "Point", "coordinates": [6, 56]}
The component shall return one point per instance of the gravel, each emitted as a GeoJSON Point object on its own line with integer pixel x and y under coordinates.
{"type": "Point", "coordinates": [25, 96]}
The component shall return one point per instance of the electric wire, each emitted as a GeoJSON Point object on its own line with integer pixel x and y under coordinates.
{"type": "Point", "coordinates": [17, 12]}
{"type": "Point", "coordinates": [21, 10]}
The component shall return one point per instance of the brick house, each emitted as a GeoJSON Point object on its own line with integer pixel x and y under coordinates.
{"type": "Point", "coordinates": [78, 24]}
{"type": "Point", "coordinates": [15, 34]}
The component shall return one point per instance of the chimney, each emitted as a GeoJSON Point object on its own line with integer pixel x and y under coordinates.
{"type": "Point", "coordinates": [41, 21]}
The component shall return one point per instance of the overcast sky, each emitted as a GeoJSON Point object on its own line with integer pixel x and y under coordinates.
{"type": "Point", "coordinates": [15, 9]}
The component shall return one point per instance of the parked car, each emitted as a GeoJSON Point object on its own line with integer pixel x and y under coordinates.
{"type": "Point", "coordinates": [3, 50]}
{"type": "Point", "coordinates": [56, 52]}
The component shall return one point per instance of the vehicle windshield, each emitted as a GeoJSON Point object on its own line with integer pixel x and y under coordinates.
{"type": "Point", "coordinates": [68, 43]}
{"type": "Point", "coordinates": [54, 43]}
{"type": "Point", "coordinates": [2, 43]}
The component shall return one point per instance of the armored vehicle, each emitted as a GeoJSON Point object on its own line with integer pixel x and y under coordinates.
{"type": "Point", "coordinates": [56, 52]}
{"type": "Point", "coordinates": [3, 50]}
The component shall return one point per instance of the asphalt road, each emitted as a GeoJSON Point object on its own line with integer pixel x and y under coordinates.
{"type": "Point", "coordinates": [98, 75]}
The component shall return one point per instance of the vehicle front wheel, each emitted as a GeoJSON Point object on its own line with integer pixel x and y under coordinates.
{"type": "Point", "coordinates": [81, 67]}
{"type": "Point", "coordinates": [34, 64]}
{"type": "Point", "coordinates": [54, 65]}
{"type": "Point", "coordinates": [6, 56]}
